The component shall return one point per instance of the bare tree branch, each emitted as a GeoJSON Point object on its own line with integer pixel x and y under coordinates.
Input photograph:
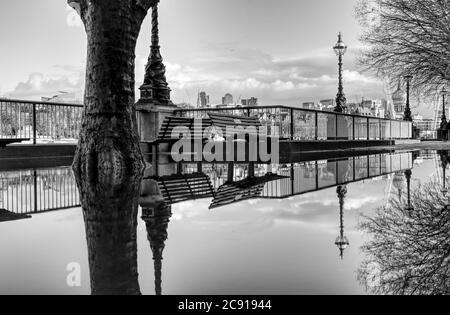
{"type": "Point", "coordinates": [407, 37]}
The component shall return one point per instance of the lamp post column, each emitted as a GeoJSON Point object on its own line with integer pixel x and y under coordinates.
{"type": "Point", "coordinates": [408, 114]}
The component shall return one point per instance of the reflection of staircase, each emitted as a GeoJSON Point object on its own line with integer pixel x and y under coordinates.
{"type": "Point", "coordinates": [6, 216]}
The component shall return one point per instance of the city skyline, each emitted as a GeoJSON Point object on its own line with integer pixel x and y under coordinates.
{"type": "Point", "coordinates": [237, 57]}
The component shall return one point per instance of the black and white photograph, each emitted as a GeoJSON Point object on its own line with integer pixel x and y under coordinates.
{"type": "Point", "coordinates": [225, 153]}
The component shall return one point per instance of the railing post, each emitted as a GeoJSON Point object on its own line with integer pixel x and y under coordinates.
{"type": "Point", "coordinates": [336, 135]}
{"type": "Point", "coordinates": [316, 118]}
{"type": "Point", "coordinates": [354, 135]}
{"type": "Point", "coordinates": [34, 124]}
{"type": "Point", "coordinates": [292, 124]}
{"type": "Point", "coordinates": [390, 129]}
{"type": "Point", "coordinates": [381, 134]}
{"type": "Point", "coordinates": [35, 191]}
{"type": "Point", "coordinates": [368, 128]}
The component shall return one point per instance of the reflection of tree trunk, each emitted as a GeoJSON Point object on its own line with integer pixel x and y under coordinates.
{"type": "Point", "coordinates": [110, 215]}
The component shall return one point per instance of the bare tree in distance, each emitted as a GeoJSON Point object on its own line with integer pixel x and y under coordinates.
{"type": "Point", "coordinates": [407, 37]}
{"type": "Point", "coordinates": [408, 250]}
{"type": "Point", "coordinates": [108, 141]}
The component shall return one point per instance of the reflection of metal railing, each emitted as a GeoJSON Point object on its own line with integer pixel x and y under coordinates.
{"type": "Point", "coordinates": [309, 176]}
{"type": "Point", "coordinates": [307, 124]}
{"type": "Point", "coordinates": [39, 121]}
{"type": "Point", "coordinates": [313, 176]}
{"type": "Point", "coordinates": [34, 191]}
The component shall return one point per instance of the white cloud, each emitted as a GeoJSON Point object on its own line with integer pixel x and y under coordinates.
{"type": "Point", "coordinates": [247, 73]}
{"type": "Point", "coordinates": [68, 79]}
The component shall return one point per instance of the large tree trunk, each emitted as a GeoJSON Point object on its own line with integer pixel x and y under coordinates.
{"type": "Point", "coordinates": [108, 140]}
{"type": "Point", "coordinates": [108, 164]}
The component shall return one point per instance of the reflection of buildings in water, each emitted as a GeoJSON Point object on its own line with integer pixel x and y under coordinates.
{"type": "Point", "coordinates": [341, 241]}
{"type": "Point", "coordinates": [157, 223]}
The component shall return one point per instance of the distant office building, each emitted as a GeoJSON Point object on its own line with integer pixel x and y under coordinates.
{"type": "Point", "coordinates": [377, 108]}
{"type": "Point", "coordinates": [250, 102]}
{"type": "Point", "coordinates": [203, 100]}
{"type": "Point", "coordinates": [427, 127]}
{"type": "Point", "coordinates": [227, 99]}
{"type": "Point", "coordinates": [327, 105]}
{"type": "Point", "coordinates": [309, 105]}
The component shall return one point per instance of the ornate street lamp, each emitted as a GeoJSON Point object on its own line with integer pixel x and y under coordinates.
{"type": "Point", "coordinates": [444, 123]}
{"type": "Point", "coordinates": [444, 116]}
{"type": "Point", "coordinates": [341, 241]}
{"type": "Point", "coordinates": [407, 114]}
{"type": "Point", "coordinates": [340, 49]}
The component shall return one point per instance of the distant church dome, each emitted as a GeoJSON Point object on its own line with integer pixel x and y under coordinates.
{"type": "Point", "coordinates": [399, 96]}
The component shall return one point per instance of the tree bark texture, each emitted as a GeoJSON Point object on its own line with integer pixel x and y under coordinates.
{"type": "Point", "coordinates": [108, 140]}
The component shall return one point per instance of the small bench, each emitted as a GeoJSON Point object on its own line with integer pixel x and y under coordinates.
{"type": "Point", "coordinates": [172, 122]}
{"type": "Point", "coordinates": [249, 188]}
{"type": "Point", "coordinates": [231, 125]}
{"type": "Point", "coordinates": [182, 187]}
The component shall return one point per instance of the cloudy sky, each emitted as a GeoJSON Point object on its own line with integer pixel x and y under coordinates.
{"type": "Point", "coordinates": [279, 51]}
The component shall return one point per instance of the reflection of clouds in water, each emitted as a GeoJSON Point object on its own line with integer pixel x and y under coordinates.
{"type": "Point", "coordinates": [318, 210]}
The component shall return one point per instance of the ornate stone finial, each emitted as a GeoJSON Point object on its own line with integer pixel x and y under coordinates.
{"type": "Point", "coordinates": [157, 223]}
{"type": "Point", "coordinates": [155, 85]}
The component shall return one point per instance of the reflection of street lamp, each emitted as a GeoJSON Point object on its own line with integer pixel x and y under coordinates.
{"type": "Point", "coordinates": [341, 241]}
{"type": "Point", "coordinates": [407, 114]}
{"type": "Point", "coordinates": [444, 174]}
{"type": "Point", "coordinates": [444, 124]}
{"type": "Point", "coordinates": [408, 174]}
{"type": "Point", "coordinates": [340, 49]}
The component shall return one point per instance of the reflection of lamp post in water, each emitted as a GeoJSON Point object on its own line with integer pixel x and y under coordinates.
{"type": "Point", "coordinates": [341, 241]}
{"type": "Point", "coordinates": [444, 163]}
{"type": "Point", "coordinates": [157, 222]}
{"type": "Point", "coordinates": [408, 174]}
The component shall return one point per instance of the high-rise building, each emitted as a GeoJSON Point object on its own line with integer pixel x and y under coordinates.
{"type": "Point", "coordinates": [203, 100]}
{"type": "Point", "coordinates": [227, 99]}
{"type": "Point", "coordinates": [251, 102]}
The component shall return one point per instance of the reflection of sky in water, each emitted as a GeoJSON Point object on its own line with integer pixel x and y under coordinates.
{"type": "Point", "coordinates": [261, 246]}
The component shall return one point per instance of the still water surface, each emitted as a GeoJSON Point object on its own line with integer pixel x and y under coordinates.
{"type": "Point", "coordinates": [275, 235]}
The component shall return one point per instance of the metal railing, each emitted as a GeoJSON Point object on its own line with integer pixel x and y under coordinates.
{"type": "Point", "coordinates": [307, 124]}
{"type": "Point", "coordinates": [42, 190]}
{"type": "Point", "coordinates": [40, 121]}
